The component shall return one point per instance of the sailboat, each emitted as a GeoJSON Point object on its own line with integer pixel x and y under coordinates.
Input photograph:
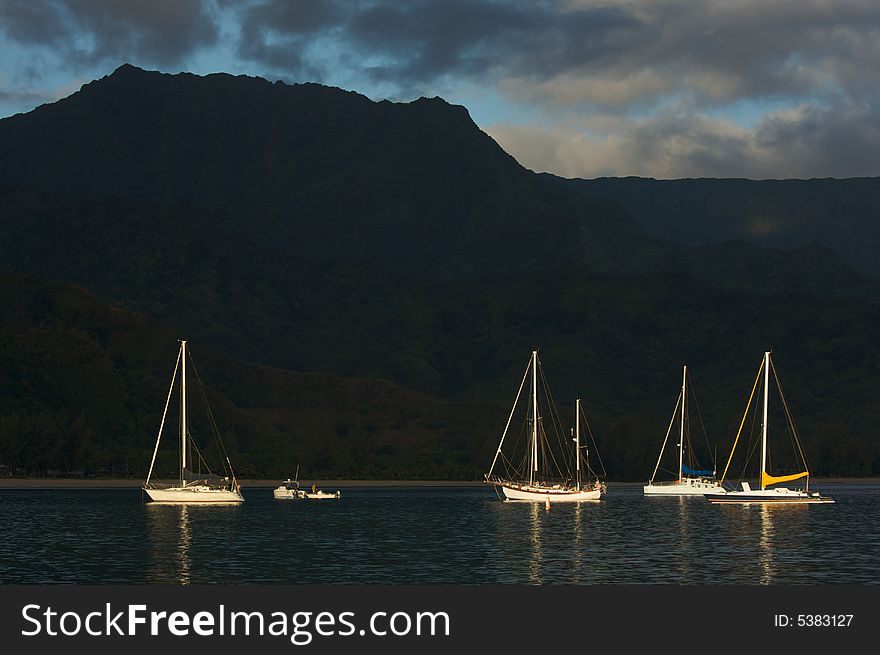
{"type": "Point", "coordinates": [192, 487]}
{"type": "Point", "coordinates": [531, 479]}
{"type": "Point", "coordinates": [765, 494]}
{"type": "Point", "coordinates": [690, 481]}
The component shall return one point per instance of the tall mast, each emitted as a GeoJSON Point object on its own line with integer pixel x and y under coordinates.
{"type": "Point", "coordinates": [764, 426]}
{"type": "Point", "coordinates": [534, 417]}
{"type": "Point", "coordinates": [681, 435]}
{"type": "Point", "coordinates": [183, 413]}
{"type": "Point", "coordinates": [577, 440]}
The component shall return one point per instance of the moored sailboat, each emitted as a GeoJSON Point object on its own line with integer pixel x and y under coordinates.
{"type": "Point", "coordinates": [192, 487]}
{"type": "Point", "coordinates": [532, 479]}
{"type": "Point", "coordinates": [690, 481]}
{"type": "Point", "coordinates": [777, 495]}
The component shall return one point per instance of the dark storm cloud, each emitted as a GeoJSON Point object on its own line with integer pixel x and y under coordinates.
{"type": "Point", "coordinates": [652, 87]}
{"type": "Point", "coordinates": [413, 43]}
{"type": "Point", "coordinates": [601, 53]}
{"type": "Point", "coordinates": [276, 34]}
{"type": "Point", "coordinates": [88, 31]}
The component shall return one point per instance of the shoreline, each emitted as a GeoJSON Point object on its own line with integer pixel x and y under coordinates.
{"type": "Point", "coordinates": [117, 483]}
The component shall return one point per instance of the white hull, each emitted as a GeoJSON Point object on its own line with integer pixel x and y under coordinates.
{"type": "Point", "coordinates": [536, 493]}
{"type": "Point", "coordinates": [286, 494]}
{"type": "Point", "coordinates": [687, 487]}
{"type": "Point", "coordinates": [281, 493]}
{"type": "Point", "coordinates": [323, 495]}
{"type": "Point", "coordinates": [195, 494]}
{"type": "Point", "coordinates": [780, 495]}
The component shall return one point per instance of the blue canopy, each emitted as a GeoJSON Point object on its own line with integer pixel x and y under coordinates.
{"type": "Point", "coordinates": [686, 470]}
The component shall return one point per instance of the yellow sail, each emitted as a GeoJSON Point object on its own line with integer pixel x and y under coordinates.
{"type": "Point", "coordinates": [770, 479]}
{"type": "Point", "coordinates": [743, 422]}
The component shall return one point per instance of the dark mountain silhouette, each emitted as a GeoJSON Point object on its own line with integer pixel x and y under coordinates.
{"type": "Point", "coordinates": [316, 172]}
{"type": "Point", "coordinates": [307, 170]}
{"type": "Point", "coordinates": [842, 215]}
{"type": "Point", "coordinates": [82, 385]}
{"type": "Point", "coordinates": [366, 281]}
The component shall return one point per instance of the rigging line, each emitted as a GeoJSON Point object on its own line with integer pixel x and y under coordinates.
{"type": "Point", "coordinates": [551, 409]}
{"type": "Point", "coordinates": [510, 417]}
{"type": "Point", "coordinates": [555, 421]}
{"type": "Point", "coordinates": [790, 418]}
{"type": "Point", "coordinates": [666, 438]}
{"type": "Point", "coordinates": [561, 434]}
{"type": "Point", "coordinates": [745, 413]}
{"type": "Point", "coordinates": [192, 442]}
{"type": "Point", "coordinates": [691, 457]}
{"type": "Point", "coordinates": [526, 452]}
{"type": "Point", "coordinates": [164, 414]}
{"type": "Point", "coordinates": [753, 442]}
{"type": "Point", "coordinates": [700, 416]}
{"type": "Point", "coordinates": [593, 439]}
{"type": "Point", "coordinates": [227, 465]}
{"type": "Point", "coordinates": [789, 426]}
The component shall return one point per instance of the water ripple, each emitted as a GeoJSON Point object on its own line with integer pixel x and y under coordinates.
{"type": "Point", "coordinates": [450, 536]}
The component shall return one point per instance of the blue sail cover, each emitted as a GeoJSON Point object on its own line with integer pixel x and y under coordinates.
{"type": "Point", "coordinates": [687, 470]}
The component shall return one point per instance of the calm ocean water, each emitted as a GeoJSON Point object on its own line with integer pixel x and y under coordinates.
{"type": "Point", "coordinates": [436, 535]}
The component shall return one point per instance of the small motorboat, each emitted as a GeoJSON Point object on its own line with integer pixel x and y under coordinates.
{"type": "Point", "coordinates": [288, 490]}
{"type": "Point", "coordinates": [320, 494]}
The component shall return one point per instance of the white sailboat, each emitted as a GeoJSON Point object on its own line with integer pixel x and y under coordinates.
{"type": "Point", "coordinates": [539, 484]}
{"type": "Point", "coordinates": [192, 487]}
{"type": "Point", "coordinates": [776, 495]}
{"type": "Point", "coordinates": [690, 482]}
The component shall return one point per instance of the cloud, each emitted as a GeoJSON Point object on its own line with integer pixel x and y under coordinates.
{"type": "Point", "coordinates": [650, 87]}
{"type": "Point", "coordinates": [801, 142]}
{"type": "Point", "coordinates": [647, 87]}
{"type": "Point", "coordinates": [417, 44]}
{"type": "Point", "coordinates": [79, 32]}
{"type": "Point", "coordinates": [608, 53]}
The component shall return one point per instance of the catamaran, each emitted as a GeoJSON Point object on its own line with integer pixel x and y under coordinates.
{"type": "Point", "coordinates": [778, 495]}
{"type": "Point", "coordinates": [192, 487]}
{"type": "Point", "coordinates": [539, 483]}
{"type": "Point", "coordinates": [690, 481]}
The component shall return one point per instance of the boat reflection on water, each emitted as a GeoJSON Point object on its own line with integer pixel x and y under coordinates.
{"type": "Point", "coordinates": [781, 530]}
{"type": "Point", "coordinates": [171, 533]}
{"type": "Point", "coordinates": [765, 544]}
{"type": "Point", "coordinates": [686, 505]}
{"type": "Point", "coordinates": [778, 531]}
{"type": "Point", "coordinates": [577, 543]}
{"type": "Point", "coordinates": [536, 511]}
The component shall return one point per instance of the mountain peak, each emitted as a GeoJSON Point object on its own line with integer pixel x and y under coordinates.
{"type": "Point", "coordinates": [127, 69]}
{"type": "Point", "coordinates": [306, 169]}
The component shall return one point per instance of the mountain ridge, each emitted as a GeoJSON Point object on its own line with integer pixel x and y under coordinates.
{"type": "Point", "coordinates": [397, 244]}
{"type": "Point", "coordinates": [840, 214]}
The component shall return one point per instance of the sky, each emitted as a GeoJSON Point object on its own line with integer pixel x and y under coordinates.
{"type": "Point", "coordinates": [655, 88]}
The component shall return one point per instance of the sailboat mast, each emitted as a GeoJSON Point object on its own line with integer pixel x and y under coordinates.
{"type": "Point", "coordinates": [534, 417]}
{"type": "Point", "coordinates": [764, 426]}
{"type": "Point", "coordinates": [183, 413]}
{"type": "Point", "coordinates": [681, 435]}
{"type": "Point", "coordinates": [577, 440]}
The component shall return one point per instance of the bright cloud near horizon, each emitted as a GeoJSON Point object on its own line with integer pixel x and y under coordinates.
{"type": "Point", "coordinates": [656, 88]}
